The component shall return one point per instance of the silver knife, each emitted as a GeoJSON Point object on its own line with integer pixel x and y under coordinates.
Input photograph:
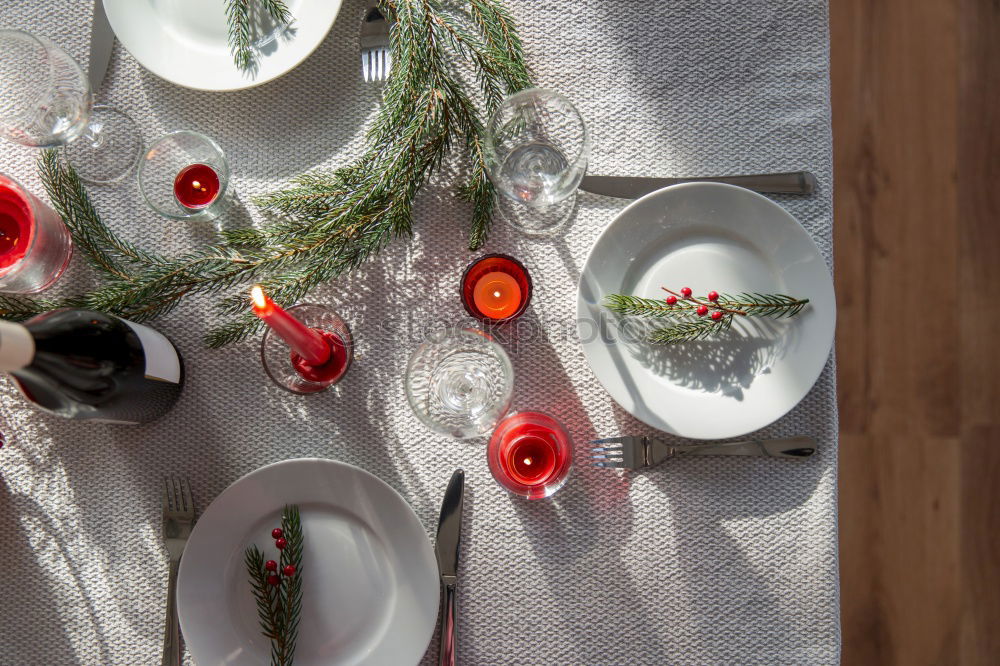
{"type": "Point", "coordinates": [633, 187]}
{"type": "Point", "coordinates": [102, 39]}
{"type": "Point", "coordinates": [448, 536]}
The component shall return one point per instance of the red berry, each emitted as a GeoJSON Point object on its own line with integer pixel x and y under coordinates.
{"type": "Point", "coordinates": [686, 291]}
{"type": "Point", "coordinates": [717, 315]}
{"type": "Point", "coordinates": [671, 300]}
{"type": "Point", "coordinates": [271, 565]}
{"type": "Point", "coordinates": [276, 533]}
{"type": "Point", "coordinates": [273, 579]}
{"type": "Point", "coordinates": [713, 296]}
{"type": "Point", "coordinates": [289, 570]}
{"type": "Point", "coordinates": [280, 543]}
{"type": "Point", "coordinates": [702, 310]}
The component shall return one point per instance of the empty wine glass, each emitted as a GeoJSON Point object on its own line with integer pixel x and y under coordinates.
{"type": "Point", "coordinates": [459, 382]}
{"type": "Point", "coordinates": [536, 149]}
{"type": "Point", "coordinates": [46, 101]}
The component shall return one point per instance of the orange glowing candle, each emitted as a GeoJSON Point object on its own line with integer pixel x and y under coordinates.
{"type": "Point", "coordinates": [497, 295]}
{"type": "Point", "coordinates": [304, 341]}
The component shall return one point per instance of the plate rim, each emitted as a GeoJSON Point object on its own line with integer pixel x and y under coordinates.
{"type": "Point", "coordinates": [113, 16]}
{"type": "Point", "coordinates": [723, 187]}
{"type": "Point", "coordinates": [429, 549]}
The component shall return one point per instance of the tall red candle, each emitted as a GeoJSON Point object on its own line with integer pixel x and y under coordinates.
{"type": "Point", "coordinates": [304, 341]}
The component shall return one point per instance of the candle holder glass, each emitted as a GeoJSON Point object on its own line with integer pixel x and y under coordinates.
{"type": "Point", "coordinates": [164, 162]}
{"type": "Point", "coordinates": [35, 245]}
{"type": "Point", "coordinates": [459, 382]}
{"type": "Point", "coordinates": [530, 455]}
{"type": "Point", "coordinates": [480, 269]}
{"type": "Point", "coordinates": [276, 355]}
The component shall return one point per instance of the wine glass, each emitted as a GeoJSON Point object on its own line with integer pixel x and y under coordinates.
{"type": "Point", "coordinates": [536, 150]}
{"type": "Point", "coordinates": [46, 101]}
{"type": "Point", "coordinates": [459, 382]}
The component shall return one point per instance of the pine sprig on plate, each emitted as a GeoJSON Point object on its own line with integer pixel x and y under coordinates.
{"type": "Point", "coordinates": [279, 596]}
{"type": "Point", "coordinates": [240, 17]}
{"type": "Point", "coordinates": [700, 317]}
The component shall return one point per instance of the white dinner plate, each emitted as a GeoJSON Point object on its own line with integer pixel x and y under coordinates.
{"type": "Point", "coordinates": [707, 236]}
{"type": "Point", "coordinates": [370, 579]}
{"type": "Point", "coordinates": [186, 41]}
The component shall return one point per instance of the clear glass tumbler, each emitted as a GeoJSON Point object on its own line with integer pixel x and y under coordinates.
{"type": "Point", "coordinates": [35, 245]}
{"type": "Point", "coordinates": [459, 382]}
{"type": "Point", "coordinates": [46, 101]}
{"type": "Point", "coordinates": [170, 162]}
{"type": "Point", "coordinates": [537, 147]}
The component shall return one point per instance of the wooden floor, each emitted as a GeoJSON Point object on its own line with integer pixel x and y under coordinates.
{"type": "Point", "coordinates": [916, 115]}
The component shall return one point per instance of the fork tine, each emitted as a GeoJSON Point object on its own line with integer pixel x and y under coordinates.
{"type": "Point", "coordinates": [609, 440]}
{"type": "Point", "coordinates": [171, 496]}
{"type": "Point", "coordinates": [186, 496]}
{"type": "Point", "coordinates": [378, 64]}
{"type": "Point", "coordinates": [388, 61]}
{"type": "Point", "coordinates": [607, 449]}
{"type": "Point", "coordinates": [364, 64]}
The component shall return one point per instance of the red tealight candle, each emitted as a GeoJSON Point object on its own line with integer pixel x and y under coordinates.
{"type": "Point", "coordinates": [16, 222]}
{"type": "Point", "coordinates": [496, 288]}
{"type": "Point", "coordinates": [196, 186]}
{"type": "Point", "coordinates": [308, 343]}
{"type": "Point", "coordinates": [530, 454]}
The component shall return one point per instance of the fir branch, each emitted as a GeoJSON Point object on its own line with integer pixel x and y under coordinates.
{"type": "Point", "coordinates": [690, 330]}
{"type": "Point", "coordinates": [685, 308]}
{"type": "Point", "coordinates": [240, 32]}
{"type": "Point", "coordinates": [279, 606]}
{"type": "Point", "coordinates": [240, 20]}
{"type": "Point", "coordinates": [332, 221]}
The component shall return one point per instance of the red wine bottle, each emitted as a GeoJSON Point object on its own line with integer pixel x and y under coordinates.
{"type": "Point", "coordinates": [92, 366]}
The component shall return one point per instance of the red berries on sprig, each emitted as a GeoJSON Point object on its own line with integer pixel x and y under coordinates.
{"type": "Point", "coordinates": [703, 307]}
{"type": "Point", "coordinates": [287, 571]}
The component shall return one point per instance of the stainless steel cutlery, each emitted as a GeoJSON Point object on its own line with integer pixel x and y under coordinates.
{"type": "Point", "coordinates": [637, 452]}
{"type": "Point", "coordinates": [446, 548]}
{"type": "Point", "coordinates": [178, 518]}
{"type": "Point", "coordinates": [376, 57]}
{"type": "Point", "coordinates": [633, 187]}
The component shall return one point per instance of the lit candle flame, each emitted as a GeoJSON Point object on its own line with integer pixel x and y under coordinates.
{"type": "Point", "coordinates": [257, 294]}
{"type": "Point", "coordinates": [527, 461]}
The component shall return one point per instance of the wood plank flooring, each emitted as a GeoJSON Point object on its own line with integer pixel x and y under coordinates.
{"type": "Point", "coordinates": [916, 115]}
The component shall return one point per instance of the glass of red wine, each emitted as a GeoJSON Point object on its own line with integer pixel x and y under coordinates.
{"type": "Point", "coordinates": [185, 176]}
{"type": "Point", "coordinates": [35, 245]}
{"type": "Point", "coordinates": [530, 454]}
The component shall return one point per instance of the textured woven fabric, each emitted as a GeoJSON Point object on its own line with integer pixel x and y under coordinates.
{"type": "Point", "coordinates": [710, 561]}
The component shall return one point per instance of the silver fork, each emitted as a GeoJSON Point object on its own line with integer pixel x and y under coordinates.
{"type": "Point", "coordinates": [178, 517]}
{"type": "Point", "coordinates": [376, 58]}
{"type": "Point", "coordinates": [636, 452]}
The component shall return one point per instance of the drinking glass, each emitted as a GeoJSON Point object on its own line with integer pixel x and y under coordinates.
{"type": "Point", "coordinates": [46, 101]}
{"type": "Point", "coordinates": [536, 150]}
{"type": "Point", "coordinates": [459, 382]}
{"type": "Point", "coordinates": [35, 245]}
{"type": "Point", "coordinates": [530, 454]}
{"type": "Point", "coordinates": [164, 163]}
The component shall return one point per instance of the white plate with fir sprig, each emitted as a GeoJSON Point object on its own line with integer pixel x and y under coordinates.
{"type": "Point", "coordinates": [758, 343]}
{"type": "Point", "coordinates": [187, 42]}
{"type": "Point", "coordinates": [368, 573]}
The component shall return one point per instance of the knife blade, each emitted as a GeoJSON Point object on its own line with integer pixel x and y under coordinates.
{"type": "Point", "coordinates": [633, 187]}
{"type": "Point", "coordinates": [446, 548]}
{"type": "Point", "coordinates": [102, 39]}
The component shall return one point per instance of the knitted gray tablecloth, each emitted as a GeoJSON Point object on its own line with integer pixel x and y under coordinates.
{"type": "Point", "coordinates": [710, 561]}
